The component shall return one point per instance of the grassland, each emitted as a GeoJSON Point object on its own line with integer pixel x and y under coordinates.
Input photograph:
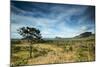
{"type": "Point", "coordinates": [54, 51]}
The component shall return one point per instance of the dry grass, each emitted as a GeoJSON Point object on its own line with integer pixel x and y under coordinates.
{"type": "Point", "coordinates": [44, 53]}
{"type": "Point", "coordinates": [55, 56]}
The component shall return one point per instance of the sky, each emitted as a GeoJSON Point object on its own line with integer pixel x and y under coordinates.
{"type": "Point", "coordinates": [53, 20]}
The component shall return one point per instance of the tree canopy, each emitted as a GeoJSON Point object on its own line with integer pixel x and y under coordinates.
{"type": "Point", "coordinates": [30, 33]}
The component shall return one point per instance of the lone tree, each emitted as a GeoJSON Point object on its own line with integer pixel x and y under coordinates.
{"type": "Point", "coordinates": [32, 35]}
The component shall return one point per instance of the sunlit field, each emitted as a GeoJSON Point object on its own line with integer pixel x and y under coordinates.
{"type": "Point", "coordinates": [54, 51]}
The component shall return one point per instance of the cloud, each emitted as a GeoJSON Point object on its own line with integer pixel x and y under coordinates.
{"type": "Point", "coordinates": [58, 20]}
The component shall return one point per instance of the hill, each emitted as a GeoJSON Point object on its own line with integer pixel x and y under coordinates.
{"type": "Point", "coordinates": [85, 34]}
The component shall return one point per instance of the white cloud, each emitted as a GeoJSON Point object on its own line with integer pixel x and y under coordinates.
{"type": "Point", "coordinates": [51, 25]}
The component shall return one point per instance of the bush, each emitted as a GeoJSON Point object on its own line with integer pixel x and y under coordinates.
{"type": "Point", "coordinates": [15, 42]}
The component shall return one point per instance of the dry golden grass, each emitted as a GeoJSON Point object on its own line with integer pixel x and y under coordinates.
{"type": "Point", "coordinates": [50, 53]}
{"type": "Point", "coordinates": [55, 56]}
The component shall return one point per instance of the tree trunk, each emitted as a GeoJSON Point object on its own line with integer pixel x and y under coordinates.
{"type": "Point", "coordinates": [30, 51]}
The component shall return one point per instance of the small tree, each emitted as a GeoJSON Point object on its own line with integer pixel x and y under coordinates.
{"type": "Point", "coordinates": [32, 35]}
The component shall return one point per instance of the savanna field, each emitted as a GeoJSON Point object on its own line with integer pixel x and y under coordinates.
{"type": "Point", "coordinates": [64, 33]}
{"type": "Point", "coordinates": [53, 51]}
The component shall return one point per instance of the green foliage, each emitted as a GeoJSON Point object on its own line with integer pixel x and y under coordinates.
{"type": "Point", "coordinates": [31, 34]}
{"type": "Point", "coordinates": [15, 42]}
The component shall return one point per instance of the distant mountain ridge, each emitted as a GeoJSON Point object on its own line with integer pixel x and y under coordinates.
{"type": "Point", "coordinates": [85, 34]}
{"type": "Point", "coordinates": [82, 35]}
